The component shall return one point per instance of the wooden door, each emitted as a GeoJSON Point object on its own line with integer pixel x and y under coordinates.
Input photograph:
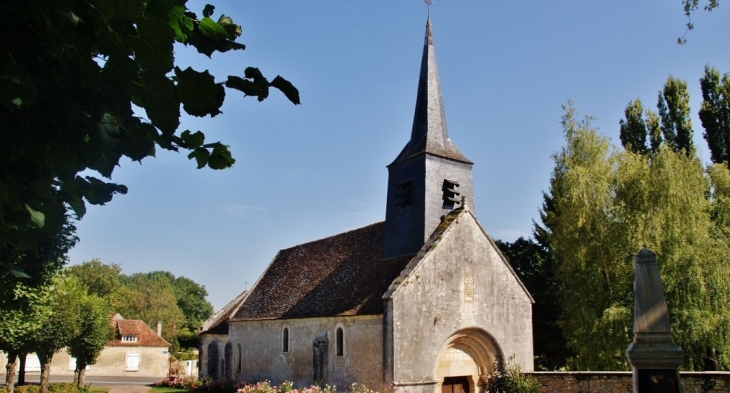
{"type": "Point", "coordinates": [455, 385]}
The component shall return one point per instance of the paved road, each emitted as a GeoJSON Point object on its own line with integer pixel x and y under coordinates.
{"type": "Point", "coordinates": [96, 381]}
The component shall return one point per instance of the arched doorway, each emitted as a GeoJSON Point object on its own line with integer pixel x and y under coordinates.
{"type": "Point", "coordinates": [466, 357]}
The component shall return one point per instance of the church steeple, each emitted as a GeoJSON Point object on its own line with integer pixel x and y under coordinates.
{"type": "Point", "coordinates": [430, 175]}
{"type": "Point", "coordinates": [429, 133]}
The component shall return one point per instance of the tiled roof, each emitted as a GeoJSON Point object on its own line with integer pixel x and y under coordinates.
{"type": "Point", "coordinates": [218, 323]}
{"type": "Point", "coordinates": [339, 275]}
{"type": "Point", "coordinates": [146, 337]}
{"type": "Point", "coordinates": [429, 133]}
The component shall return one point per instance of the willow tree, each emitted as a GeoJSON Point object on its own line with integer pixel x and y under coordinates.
{"type": "Point", "coordinates": [613, 202]}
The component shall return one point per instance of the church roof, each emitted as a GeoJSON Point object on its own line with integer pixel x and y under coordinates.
{"type": "Point", "coordinates": [218, 323]}
{"type": "Point", "coordinates": [338, 275]}
{"type": "Point", "coordinates": [429, 133]}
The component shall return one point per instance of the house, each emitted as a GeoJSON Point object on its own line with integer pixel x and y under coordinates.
{"type": "Point", "coordinates": [423, 300]}
{"type": "Point", "coordinates": [136, 350]}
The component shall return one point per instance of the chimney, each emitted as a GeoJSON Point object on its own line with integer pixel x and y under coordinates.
{"type": "Point", "coordinates": [159, 328]}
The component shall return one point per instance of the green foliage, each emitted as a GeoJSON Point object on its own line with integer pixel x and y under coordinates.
{"type": "Point", "coordinates": [536, 266]}
{"type": "Point", "coordinates": [94, 333]}
{"type": "Point", "coordinates": [633, 128]}
{"type": "Point", "coordinates": [151, 297]}
{"type": "Point", "coordinates": [715, 113]}
{"type": "Point", "coordinates": [58, 388]}
{"type": "Point", "coordinates": [101, 280]}
{"type": "Point", "coordinates": [509, 379]}
{"type": "Point", "coordinates": [674, 112]}
{"type": "Point", "coordinates": [71, 73]}
{"type": "Point", "coordinates": [607, 205]}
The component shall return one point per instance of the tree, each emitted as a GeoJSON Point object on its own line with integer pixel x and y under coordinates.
{"type": "Point", "coordinates": [94, 333]}
{"type": "Point", "coordinates": [674, 112]}
{"type": "Point", "coordinates": [190, 298]}
{"type": "Point", "coordinates": [691, 6]}
{"type": "Point", "coordinates": [153, 299]}
{"type": "Point", "coordinates": [535, 266]}
{"type": "Point", "coordinates": [104, 281]}
{"type": "Point", "coordinates": [715, 113]}
{"type": "Point", "coordinates": [672, 124]}
{"type": "Point", "coordinates": [610, 204]}
{"type": "Point", "coordinates": [71, 73]}
{"type": "Point", "coordinates": [60, 326]}
{"type": "Point", "coordinates": [18, 326]}
{"type": "Point", "coordinates": [633, 128]}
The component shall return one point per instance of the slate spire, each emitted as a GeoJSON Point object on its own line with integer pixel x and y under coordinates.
{"type": "Point", "coordinates": [429, 133]}
{"type": "Point", "coordinates": [430, 175]}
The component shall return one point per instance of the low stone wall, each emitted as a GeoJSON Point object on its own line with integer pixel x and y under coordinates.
{"type": "Point", "coordinates": [620, 382]}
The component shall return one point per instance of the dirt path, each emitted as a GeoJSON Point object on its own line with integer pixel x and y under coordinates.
{"type": "Point", "coordinates": [129, 389]}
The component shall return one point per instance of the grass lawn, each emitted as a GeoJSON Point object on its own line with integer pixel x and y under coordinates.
{"type": "Point", "coordinates": [57, 388]}
{"type": "Point", "coordinates": [161, 389]}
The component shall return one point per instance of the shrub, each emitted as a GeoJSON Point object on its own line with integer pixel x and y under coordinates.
{"type": "Point", "coordinates": [509, 379]}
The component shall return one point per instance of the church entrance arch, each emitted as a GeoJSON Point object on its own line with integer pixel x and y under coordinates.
{"type": "Point", "coordinates": [466, 358]}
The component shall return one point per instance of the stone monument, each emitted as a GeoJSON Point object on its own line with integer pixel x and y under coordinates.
{"type": "Point", "coordinates": [654, 355]}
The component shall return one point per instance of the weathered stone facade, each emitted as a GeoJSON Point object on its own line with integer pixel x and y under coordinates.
{"type": "Point", "coordinates": [211, 361]}
{"type": "Point", "coordinates": [456, 310]}
{"type": "Point", "coordinates": [263, 356]}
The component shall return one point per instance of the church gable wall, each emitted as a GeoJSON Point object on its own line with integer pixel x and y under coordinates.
{"type": "Point", "coordinates": [461, 284]}
{"type": "Point", "coordinates": [263, 356]}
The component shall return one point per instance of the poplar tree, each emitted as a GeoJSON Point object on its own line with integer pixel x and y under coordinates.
{"type": "Point", "coordinates": [674, 112]}
{"type": "Point", "coordinates": [633, 127]}
{"type": "Point", "coordinates": [715, 113]}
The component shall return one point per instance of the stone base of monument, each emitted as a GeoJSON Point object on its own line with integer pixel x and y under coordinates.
{"type": "Point", "coordinates": [655, 367]}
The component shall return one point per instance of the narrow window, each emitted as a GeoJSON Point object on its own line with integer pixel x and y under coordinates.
{"type": "Point", "coordinates": [285, 346]}
{"type": "Point", "coordinates": [340, 342]}
{"type": "Point", "coordinates": [239, 358]}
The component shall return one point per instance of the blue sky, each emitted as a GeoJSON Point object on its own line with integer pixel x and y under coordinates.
{"type": "Point", "coordinates": [311, 171]}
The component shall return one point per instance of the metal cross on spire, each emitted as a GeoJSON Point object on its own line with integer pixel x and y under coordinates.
{"type": "Point", "coordinates": [428, 7]}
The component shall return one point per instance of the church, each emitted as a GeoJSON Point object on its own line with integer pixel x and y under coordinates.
{"type": "Point", "coordinates": [423, 301]}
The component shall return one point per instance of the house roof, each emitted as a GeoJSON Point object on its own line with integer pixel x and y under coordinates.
{"type": "Point", "coordinates": [218, 323]}
{"type": "Point", "coordinates": [146, 337]}
{"type": "Point", "coordinates": [429, 133]}
{"type": "Point", "coordinates": [338, 275]}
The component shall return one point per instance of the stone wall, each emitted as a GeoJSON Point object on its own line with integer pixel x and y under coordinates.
{"type": "Point", "coordinates": [263, 356]}
{"type": "Point", "coordinates": [204, 357]}
{"type": "Point", "coordinates": [620, 382]}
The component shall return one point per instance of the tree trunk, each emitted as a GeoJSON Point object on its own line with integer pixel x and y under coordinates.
{"type": "Point", "coordinates": [45, 360]}
{"type": "Point", "coordinates": [76, 375]}
{"type": "Point", "coordinates": [81, 371]}
{"type": "Point", "coordinates": [21, 370]}
{"type": "Point", "coordinates": [10, 370]}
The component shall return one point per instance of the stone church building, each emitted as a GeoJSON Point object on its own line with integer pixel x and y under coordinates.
{"type": "Point", "coordinates": [423, 300]}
